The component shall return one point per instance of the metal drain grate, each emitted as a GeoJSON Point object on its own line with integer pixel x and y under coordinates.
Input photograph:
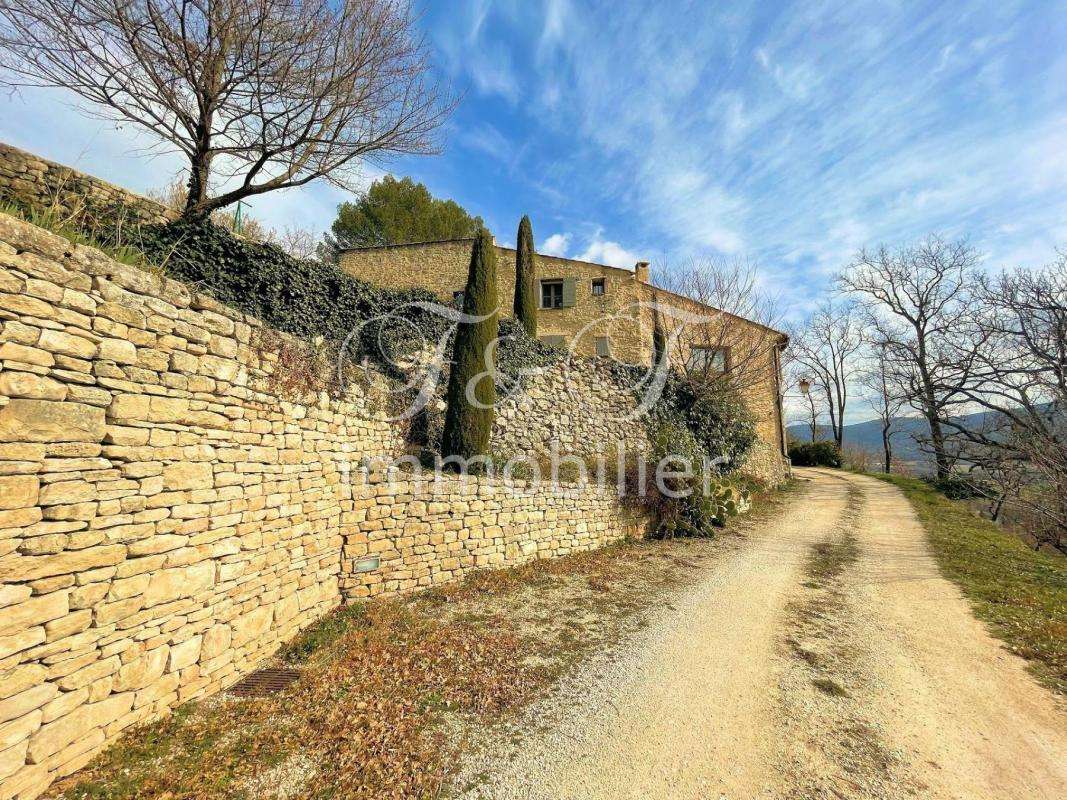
{"type": "Point", "coordinates": [265, 681]}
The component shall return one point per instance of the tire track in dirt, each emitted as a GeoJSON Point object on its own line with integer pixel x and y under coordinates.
{"type": "Point", "coordinates": [823, 658]}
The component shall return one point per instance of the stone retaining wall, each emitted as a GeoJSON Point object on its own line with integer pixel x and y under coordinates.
{"type": "Point", "coordinates": [167, 519]}
{"type": "Point", "coordinates": [581, 405]}
{"type": "Point", "coordinates": [415, 532]}
{"type": "Point", "coordinates": [37, 183]}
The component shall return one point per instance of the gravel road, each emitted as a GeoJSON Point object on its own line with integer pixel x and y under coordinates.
{"type": "Point", "coordinates": [823, 658]}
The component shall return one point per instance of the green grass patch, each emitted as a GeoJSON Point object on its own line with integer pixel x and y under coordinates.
{"type": "Point", "coordinates": [67, 228]}
{"type": "Point", "coordinates": [324, 633]}
{"type": "Point", "coordinates": [1019, 593]}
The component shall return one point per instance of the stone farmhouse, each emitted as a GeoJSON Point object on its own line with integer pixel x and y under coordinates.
{"type": "Point", "coordinates": [599, 310]}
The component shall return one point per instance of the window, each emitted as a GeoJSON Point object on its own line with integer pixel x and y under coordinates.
{"type": "Point", "coordinates": [552, 341]}
{"type": "Point", "coordinates": [551, 294]}
{"type": "Point", "coordinates": [457, 298]}
{"type": "Point", "coordinates": [598, 287]}
{"type": "Point", "coordinates": [707, 359]}
{"type": "Point", "coordinates": [603, 346]}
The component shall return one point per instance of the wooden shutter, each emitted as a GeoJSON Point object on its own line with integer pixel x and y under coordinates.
{"type": "Point", "coordinates": [568, 292]}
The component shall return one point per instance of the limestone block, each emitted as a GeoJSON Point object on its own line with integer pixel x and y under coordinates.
{"type": "Point", "coordinates": [252, 625]}
{"type": "Point", "coordinates": [19, 730]}
{"type": "Point", "coordinates": [20, 678]}
{"type": "Point", "coordinates": [24, 702]}
{"type": "Point", "coordinates": [67, 344]}
{"type": "Point", "coordinates": [31, 386]}
{"type": "Point", "coordinates": [185, 654]}
{"type": "Point", "coordinates": [88, 596]}
{"type": "Point", "coordinates": [23, 354]}
{"type": "Point", "coordinates": [72, 623]}
{"type": "Point", "coordinates": [172, 584]}
{"type": "Point", "coordinates": [35, 611]}
{"type": "Point", "coordinates": [28, 568]}
{"type": "Point", "coordinates": [12, 759]}
{"type": "Point", "coordinates": [216, 641]}
{"type": "Point", "coordinates": [55, 736]}
{"type": "Point", "coordinates": [187, 475]}
{"type": "Point", "coordinates": [67, 493]}
{"type": "Point", "coordinates": [22, 640]}
{"type": "Point", "coordinates": [19, 491]}
{"type": "Point", "coordinates": [120, 351]}
{"type": "Point", "coordinates": [48, 421]}
{"type": "Point", "coordinates": [24, 304]}
{"type": "Point", "coordinates": [64, 704]}
{"type": "Point", "coordinates": [128, 408]}
{"type": "Point", "coordinates": [141, 672]}
{"type": "Point", "coordinates": [89, 674]}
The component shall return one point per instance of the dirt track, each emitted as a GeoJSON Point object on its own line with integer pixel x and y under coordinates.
{"type": "Point", "coordinates": [824, 658]}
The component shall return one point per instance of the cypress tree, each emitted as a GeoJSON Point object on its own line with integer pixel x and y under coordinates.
{"type": "Point", "coordinates": [467, 428]}
{"type": "Point", "coordinates": [659, 336]}
{"type": "Point", "coordinates": [525, 280]}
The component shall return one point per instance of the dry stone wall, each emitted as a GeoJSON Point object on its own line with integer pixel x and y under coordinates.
{"type": "Point", "coordinates": [415, 532]}
{"type": "Point", "coordinates": [34, 182]}
{"type": "Point", "coordinates": [580, 404]}
{"type": "Point", "coordinates": [167, 519]}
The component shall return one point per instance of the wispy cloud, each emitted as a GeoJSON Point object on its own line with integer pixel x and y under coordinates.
{"type": "Point", "coordinates": [793, 132]}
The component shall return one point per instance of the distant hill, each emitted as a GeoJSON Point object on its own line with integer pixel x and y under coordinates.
{"type": "Point", "coordinates": [868, 435]}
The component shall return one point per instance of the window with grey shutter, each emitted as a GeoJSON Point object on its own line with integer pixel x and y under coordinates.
{"type": "Point", "coordinates": [603, 346]}
{"type": "Point", "coordinates": [552, 341]}
{"type": "Point", "coordinates": [568, 292]}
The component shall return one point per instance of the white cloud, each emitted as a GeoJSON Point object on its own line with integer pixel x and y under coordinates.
{"type": "Point", "coordinates": [602, 251]}
{"type": "Point", "coordinates": [556, 244]}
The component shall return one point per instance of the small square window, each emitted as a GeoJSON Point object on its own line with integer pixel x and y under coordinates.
{"type": "Point", "coordinates": [603, 346]}
{"type": "Point", "coordinates": [551, 294]}
{"type": "Point", "coordinates": [707, 359]}
{"type": "Point", "coordinates": [457, 298]}
{"type": "Point", "coordinates": [598, 287]}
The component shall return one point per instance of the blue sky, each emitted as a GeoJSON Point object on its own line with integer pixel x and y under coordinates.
{"type": "Point", "coordinates": [788, 132]}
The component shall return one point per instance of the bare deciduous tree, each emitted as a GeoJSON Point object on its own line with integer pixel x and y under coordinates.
{"type": "Point", "coordinates": [918, 298]}
{"type": "Point", "coordinates": [741, 328]}
{"type": "Point", "coordinates": [885, 399]}
{"type": "Point", "coordinates": [1019, 375]}
{"type": "Point", "coordinates": [826, 350]}
{"type": "Point", "coordinates": [258, 95]}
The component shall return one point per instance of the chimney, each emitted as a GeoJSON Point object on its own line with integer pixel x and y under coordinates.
{"type": "Point", "coordinates": [641, 271]}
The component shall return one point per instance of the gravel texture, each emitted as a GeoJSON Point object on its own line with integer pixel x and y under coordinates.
{"type": "Point", "coordinates": [824, 657]}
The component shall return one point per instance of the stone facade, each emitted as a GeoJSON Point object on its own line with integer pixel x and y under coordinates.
{"type": "Point", "coordinates": [622, 315]}
{"type": "Point", "coordinates": [167, 519]}
{"type": "Point", "coordinates": [37, 183]}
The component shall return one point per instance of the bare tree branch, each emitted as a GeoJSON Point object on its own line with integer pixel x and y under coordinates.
{"type": "Point", "coordinates": [264, 94]}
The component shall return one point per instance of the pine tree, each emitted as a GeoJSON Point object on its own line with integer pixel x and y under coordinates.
{"type": "Point", "coordinates": [525, 280]}
{"type": "Point", "coordinates": [467, 428]}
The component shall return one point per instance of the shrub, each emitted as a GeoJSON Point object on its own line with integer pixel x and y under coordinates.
{"type": "Point", "coordinates": [468, 425]}
{"type": "Point", "coordinates": [815, 454]}
{"type": "Point", "coordinates": [692, 504]}
{"type": "Point", "coordinates": [717, 418]}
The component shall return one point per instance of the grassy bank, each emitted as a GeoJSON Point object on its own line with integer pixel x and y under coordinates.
{"type": "Point", "coordinates": [1020, 594]}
